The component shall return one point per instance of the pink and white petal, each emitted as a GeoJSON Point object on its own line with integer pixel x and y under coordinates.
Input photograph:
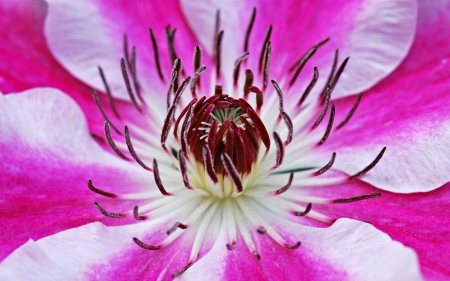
{"type": "Point", "coordinates": [375, 34]}
{"type": "Point", "coordinates": [408, 112]}
{"type": "Point", "coordinates": [47, 157]}
{"type": "Point", "coordinates": [99, 40]}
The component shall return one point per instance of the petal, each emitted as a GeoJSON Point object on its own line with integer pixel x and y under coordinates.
{"type": "Point", "coordinates": [47, 158]}
{"type": "Point", "coordinates": [99, 40]}
{"type": "Point", "coordinates": [408, 113]}
{"type": "Point", "coordinates": [375, 34]}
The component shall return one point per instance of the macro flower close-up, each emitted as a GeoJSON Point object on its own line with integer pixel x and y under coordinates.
{"type": "Point", "coordinates": [225, 140]}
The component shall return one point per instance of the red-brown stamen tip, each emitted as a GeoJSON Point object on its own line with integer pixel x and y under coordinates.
{"type": "Point", "coordinates": [158, 179]}
{"type": "Point", "coordinates": [108, 214]}
{"type": "Point", "coordinates": [136, 214]}
{"type": "Point", "coordinates": [231, 246]}
{"type": "Point", "coordinates": [371, 165]}
{"type": "Point", "coordinates": [356, 198]}
{"type": "Point", "coordinates": [293, 246]}
{"type": "Point", "coordinates": [145, 246]}
{"type": "Point", "coordinates": [175, 226]}
{"type": "Point", "coordinates": [305, 212]}
{"type": "Point", "coordinates": [101, 192]}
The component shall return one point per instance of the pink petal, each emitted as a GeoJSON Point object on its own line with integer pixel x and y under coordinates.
{"type": "Point", "coordinates": [100, 27]}
{"type": "Point", "coordinates": [47, 158]}
{"type": "Point", "coordinates": [408, 112]}
{"type": "Point", "coordinates": [375, 34]}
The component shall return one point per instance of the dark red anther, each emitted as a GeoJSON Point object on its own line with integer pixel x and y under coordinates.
{"type": "Point", "coordinates": [216, 33]}
{"type": "Point", "coordinates": [145, 246]}
{"type": "Point", "coordinates": [293, 246]}
{"type": "Point", "coordinates": [167, 125]}
{"type": "Point", "coordinates": [350, 114]}
{"type": "Point", "coordinates": [264, 46]}
{"type": "Point", "coordinates": [126, 50]}
{"type": "Point", "coordinates": [302, 63]}
{"type": "Point", "coordinates": [329, 126]}
{"type": "Point", "coordinates": [237, 67]}
{"type": "Point", "coordinates": [218, 52]}
{"type": "Point", "coordinates": [327, 166]}
{"type": "Point", "coordinates": [173, 77]}
{"type": "Point", "coordinates": [156, 55]}
{"type": "Point", "coordinates": [100, 108]}
{"type": "Point", "coordinates": [230, 145]}
{"type": "Point", "coordinates": [170, 35]}
{"type": "Point", "coordinates": [175, 226]}
{"type": "Point", "coordinates": [199, 104]}
{"type": "Point", "coordinates": [213, 98]}
{"type": "Point", "coordinates": [218, 90]}
{"type": "Point", "coordinates": [287, 186]}
{"type": "Point", "coordinates": [330, 77]}
{"type": "Point", "coordinates": [180, 91]}
{"type": "Point", "coordinates": [249, 127]}
{"type": "Point", "coordinates": [356, 198]}
{"type": "Point", "coordinates": [267, 64]}
{"type": "Point", "coordinates": [136, 214]}
{"type": "Point", "coordinates": [231, 246]}
{"type": "Point", "coordinates": [196, 80]}
{"type": "Point", "coordinates": [259, 125]}
{"type": "Point", "coordinates": [249, 29]}
{"type": "Point", "coordinates": [158, 179]}
{"type": "Point", "coordinates": [108, 91]}
{"type": "Point", "coordinates": [111, 142]}
{"type": "Point", "coordinates": [244, 151]}
{"type": "Point", "coordinates": [222, 104]}
{"type": "Point", "coordinates": [132, 151]}
{"type": "Point", "coordinates": [280, 150]}
{"type": "Point", "coordinates": [259, 97]}
{"type": "Point", "coordinates": [183, 112]}
{"type": "Point", "coordinates": [256, 255]}
{"type": "Point", "coordinates": [324, 110]}
{"type": "Point", "coordinates": [338, 73]}
{"type": "Point", "coordinates": [108, 214]}
{"type": "Point", "coordinates": [212, 134]}
{"type": "Point", "coordinates": [209, 164]}
{"type": "Point", "coordinates": [183, 169]}
{"type": "Point", "coordinates": [98, 191]}
{"type": "Point", "coordinates": [133, 71]}
{"type": "Point", "coordinates": [310, 87]}
{"type": "Point", "coordinates": [317, 46]}
{"type": "Point", "coordinates": [290, 126]}
{"type": "Point", "coordinates": [305, 212]}
{"type": "Point", "coordinates": [181, 271]}
{"type": "Point", "coordinates": [261, 230]}
{"type": "Point", "coordinates": [126, 79]}
{"type": "Point", "coordinates": [232, 172]}
{"type": "Point", "coordinates": [371, 165]}
{"type": "Point", "coordinates": [248, 82]}
{"type": "Point", "coordinates": [184, 130]}
{"type": "Point", "coordinates": [280, 95]}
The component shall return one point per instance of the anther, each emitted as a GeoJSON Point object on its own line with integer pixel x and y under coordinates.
{"type": "Point", "coordinates": [180, 91]}
{"type": "Point", "coordinates": [256, 255]}
{"type": "Point", "coordinates": [108, 91]}
{"type": "Point", "coordinates": [231, 246]}
{"type": "Point", "coordinates": [208, 162]}
{"type": "Point", "coordinates": [287, 186]}
{"type": "Point", "coordinates": [175, 226]}
{"type": "Point", "coordinates": [330, 76]}
{"type": "Point", "coordinates": [132, 151]}
{"type": "Point", "coordinates": [134, 74]}
{"type": "Point", "coordinates": [126, 79]}
{"type": "Point", "coordinates": [356, 198]}
{"type": "Point", "coordinates": [108, 214]}
{"type": "Point", "coordinates": [100, 108]}
{"type": "Point", "coordinates": [327, 166]}
{"type": "Point", "coordinates": [156, 55]}
{"type": "Point", "coordinates": [317, 46]}
{"type": "Point", "coordinates": [197, 57]}
{"type": "Point", "coordinates": [126, 50]}
{"type": "Point", "coordinates": [371, 165]}
{"type": "Point", "coordinates": [325, 108]}
{"type": "Point", "coordinates": [259, 125]}
{"type": "Point", "coordinates": [145, 246]}
{"type": "Point", "coordinates": [218, 89]}
{"type": "Point", "coordinates": [158, 179]}
{"type": "Point", "coordinates": [183, 169]}
{"type": "Point", "coordinates": [167, 125]}
{"type": "Point", "coordinates": [173, 77]}
{"type": "Point", "coordinates": [170, 35]}
{"type": "Point", "coordinates": [338, 73]}
{"type": "Point", "coordinates": [136, 214]}
{"type": "Point", "coordinates": [310, 87]}
{"type": "Point", "coordinates": [290, 126]}
{"type": "Point", "coordinates": [261, 230]}
{"type": "Point", "coordinates": [259, 97]}
{"type": "Point", "coordinates": [216, 32]}
{"type": "Point", "coordinates": [280, 150]}
{"type": "Point", "coordinates": [111, 142]}
{"type": "Point", "coordinates": [98, 191]}
{"type": "Point", "coordinates": [248, 82]}
{"type": "Point", "coordinates": [177, 77]}
{"type": "Point", "coordinates": [218, 52]}
{"type": "Point", "coordinates": [329, 126]}
{"type": "Point", "coordinates": [305, 212]}
{"type": "Point", "coordinates": [249, 29]}
{"type": "Point", "coordinates": [263, 51]}
{"type": "Point", "coordinates": [350, 114]}
{"type": "Point", "coordinates": [302, 63]}
{"type": "Point", "coordinates": [237, 67]}
{"type": "Point", "coordinates": [293, 247]}
{"type": "Point", "coordinates": [196, 80]}
{"type": "Point", "coordinates": [232, 172]}
{"type": "Point", "coordinates": [280, 96]}
{"type": "Point", "coordinates": [185, 128]}
{"type": "Point", "coordinates": [267, 64]}
{"type": "Point", "coordinates": [181, 271]}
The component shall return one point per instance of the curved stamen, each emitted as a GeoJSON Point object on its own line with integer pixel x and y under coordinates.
{"type": "Point", "coordinates": [237, 67]}
{"type": "Point", "coordinates": [330, 77]}
{"type": "Point", "coordinates": [126, 79]}
{"type": "Point", "coordinates": [156, 55]}
{"type": "Point", "coordinates": [170, 35]}
{"type": "Point", "coordinates": [327, 166]}
{"type": "Point", "coordinates": [181, 271]}
{"type": "Point", "coordinates": [231, 247]}
{"type": "Point", "coordinates": [232, 172]}
{"type": "Point", "coordinates": [329, 126]}
{"type": "Point", "coordinates": [261, 230]}
{"type": "Point", "coordinates": [290, 126]}
{"type": "Point", "coordinates": [356, 198]}
{"type": "Point", "coordinates": [196, 80]}
{"type": "Point", "coordinates": [317, 46]}
{"type": "Point", "coordinates": [325, 108]}
{"type": "Point", "coordinates": [264, 46]}
{"type": "Point", "coordinates": [310, 87]}
{"type": "Point", "coordinates": [158, 179]}
{"type": "Point", "coordinates": [267, 55]}
{"type": "Point", "coordinates": [305, 212]}
{"type": "Point", "coordinates": [248, 82]}
{"type": "Point", "coordinates": [371, 165]}
{"type": "Point", "coordinates": [352, 111]}
{"type": "Point", "coordinates": [249, 29]}
{"type": "Point", "coordinates": [184, 129]}
{"type": "Point", "coordinates": [183, 169]}
{"type": "Point", "coordinates": [286, 187]}
{"type": "Point", "coordinates": [218, 52]}
{"type": "Point", "coordinates": [99, 191]}
{"type": "Point", "coordinates": [183, 112]}
{"type": "Point", "coordinates": [108, 91]}
{"type": "Point", "coordinates": [339, 72]}
{"type": "Point", "coordinates": [134, 74]}
{"type": "Point", "coordinates": [145, 246]}
{"type": "Point", "coordinates": [294, 246]}
{"type": "Point", "coordinates": [167, 125]}
{"type": "Point", "coordinates": [136, 214]}
{"type": "Point", "coordinates": [108, 214]}
{"type": "Point", "coordinates": [259, 125]}
{"type": "Point", "coordinates": [280, 95]}
{"type": "Point", "coordinates": [280, 150]}
{"type": "Point", "coordinates": [100, 108]}
{"type": "Point", "coordinates": [175, 226]}
{"type": "Point", "coordinates": [173, 77]}
{"type": "Point", "coordinates": [259, 97]}
{"type": "Point", "coordinates": [111, 142]}
{"type": "Point", "coordinates": [180, 91]}
{"type": "Point", "coordinates": [302, 63]}
{"type": "Point", "coordinates": [208, 162]}
{"type": "Point", "coordinates": [132, 151]}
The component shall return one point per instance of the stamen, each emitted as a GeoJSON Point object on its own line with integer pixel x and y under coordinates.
{"type": "Point", "coordinates": [280, 95]}
{"type": "Point", "coordinates": [218, 52]}
{"type": "Point", "coordinates": [371, 165]}
{"type": "Point", "coordinates": [158, 179]}
{"type": "Point", "coordinates": [183, 169]}
{"type": "Point", "coordinates": [280, 150]}
{"type": "Point", "coordinates": [261, 230]}
{"type": "Point", "coordinates": [356, 198]}
{"type": "Point", "coordinates": [184, 129]}
{"type": "Point", "coordinates": [170, 35]}
{"type": "Point", "coordinates": [132, 151]}
{"type": "Point", "coordinates": [310, 87]}
{"type": "Point", "coordinates": [208, 162]}
{"type": "Point", "coordinates": [256, 255]}
{"type": "Point", "coordinates": [166, 126]}
{"type": "Point", "coordinates": [333, 69]}
{"type": "Point", "coordinates": [218, 90]}
{"type": "Point", "coordinates": [352, 111]}
{"type": "Point", "coordinates": [231, 247]}
{"type": "Point", "coordinates": [293, 247]}
{"type": "Point", "coordinates": [317, 46]}
{"type": "Point", "coordinates": [248, 82]}
{"type": "Point", "coordinates": [259, 97]}
{"type": "Point", "coordinates": [259, 125]}
{"type": "Point", "coordinates": [145, 246]}
{"type": "Point", "coordinates": [156, 55]}
{"type": "Point", "coordinates": [173, 78]}
{"type": "Point", "coordinates": [232, 172]}
{"type": "Point", "coordinates": [175, 226]}
{"type": "Point", "coordinates": [108, 91]}
{"type": "Point", "coordinates": [183, 112]}
{"type": "Point", "coordinates": [134, 74]}
{"type": "Point", "coordinates": [196, 79]}
{"type": "Point", "coordinates": [237, 67]}
{"type": "Point", "coordinates": [179, 71]}
{"type": "Point", "coordinates": [136, 214]}
{"type": "Point", "coordinates": [180, 91]}
{"type": "Point", "coordinates": [181, 271]}
{"type": "Point", "coordinates": [216, 32]}
{"type": "Point", "coordinates": [100, 108]}
{"type": "Point", "coordinates": [267, 64]}
{"type": "Point", "coordinates": [101, 192]}
{"type": "Point", "coordinates": [339, 72]}
{"type": "Point", "coordinates": [112, 144]}
{"type": "Point", "coordinates": [302, 63]}
{"type": "Point", "coordinates": [126, 50]}
{"type": "Point", "coordinates": [290, 127]}
{"type": "Point", "coordinates": [249, 29]}
{"type": "Point", "coordinates": [128, 85]}
{"type": "Point", "coordinates": [329, 126]}
{"type": "Point", "coordinates": [263, 51]}
{"type": "Point", "coordinates": [325, 108]}
{"type": "Point", "coordinates": [327, 166]}
{"type": "Point", "coordinates": [305, 212]}
{"type": "Point", "coordinates": [287, 186]}
{"type": "Point", "coordinates": [108, 214]}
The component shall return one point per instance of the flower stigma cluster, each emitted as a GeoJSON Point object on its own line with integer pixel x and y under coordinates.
{"type": "Point", "coordinates": [230, 155]}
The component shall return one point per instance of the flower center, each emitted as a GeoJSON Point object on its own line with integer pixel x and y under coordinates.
{"type": "Point", "coordinates": [217, 164]}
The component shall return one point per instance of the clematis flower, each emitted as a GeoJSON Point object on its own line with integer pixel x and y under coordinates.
{"type": "Point", "coordinates": [241, 169]}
